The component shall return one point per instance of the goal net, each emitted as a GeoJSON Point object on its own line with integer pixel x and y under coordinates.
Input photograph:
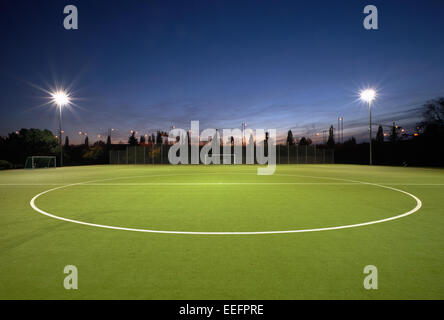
{"type": "Point", "coordinates": [38, 162]}
{"type": "Point", "coordinates": [223, 158]}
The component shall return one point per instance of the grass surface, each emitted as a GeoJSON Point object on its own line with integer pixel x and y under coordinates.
{"type": "Point", "coordinates": [117, 264]}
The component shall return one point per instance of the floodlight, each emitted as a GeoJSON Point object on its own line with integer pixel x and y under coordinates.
{"type": "Point", "coordinates": [60, 98]}
{"type": "Point", "coordinates": [368, 95]}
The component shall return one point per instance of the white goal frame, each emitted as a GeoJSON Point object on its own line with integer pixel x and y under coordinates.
{"type": "Point", "coordinates": [221, 157]}
{"type": "Point", "coordinates": [33, 158]}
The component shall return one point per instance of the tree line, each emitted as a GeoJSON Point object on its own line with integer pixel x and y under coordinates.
{"type": "Point", "coordinates": [398, 148]}
{"type": "Point", "coordinates": [422, 148]}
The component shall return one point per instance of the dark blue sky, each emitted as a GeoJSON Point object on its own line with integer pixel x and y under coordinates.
{"type": "Point", "coordinates": [146, 65]}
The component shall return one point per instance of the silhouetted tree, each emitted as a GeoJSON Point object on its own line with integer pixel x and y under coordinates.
{"type": "Point", "coordinates": [434, 112]}
{"type": "Point", "coordinates": [86, 141]}
{"type": "Point", "coordinates": [96, 154]}
{"type": "Point", "coordinates": [380, 135]}
{"type": "Point", "coordinates": [394, 133]}
{"type": "Point", "coordinates": [290, 139]}
{"type": "Point", "coordinates": [27, 142]}
{"type": "Point", "coordinates": [142, 139]}
{"type": "Point", "coordinates": [433, 124]}
{"type": "Point", "coordinates": [303, 141]}
{"type": "Point", "coordinates": [350, 142]}
{"type": "Point", "coordinates": [66, 142]}
{"type": "Point", "coordinates": [108, 142]}
{"type": "Point", "coordinates": [331, 138]}
{"type": "Point", "coordinates": [159, 137]}
{"type": "Point", "coordinates": [132, 140]}
{"type": "Point", "coordinates": [251, 140]}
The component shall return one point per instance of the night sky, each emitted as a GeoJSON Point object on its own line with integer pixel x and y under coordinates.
{"type": "Point", "coordinates": [148, 65]}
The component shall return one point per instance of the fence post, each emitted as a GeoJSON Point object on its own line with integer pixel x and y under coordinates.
{"type": "Point", "coordinates": [315, 154]}
{"type": "Point", "coordinates": [127, 154]}
{"type": "Point", "coordinates": [297, 154]}
{"type": "Point", "coordinates": [288, 153]}
{"type": "Point", "coordinates": [161, 153]}
{"type": "Point", "coordinates": [306, 154]}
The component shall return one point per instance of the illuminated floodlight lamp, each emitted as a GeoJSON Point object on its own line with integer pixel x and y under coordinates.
{"type": "Point", "coordinates": [368, 95]}
{"type": "Point", "coordinates": [60, 98]}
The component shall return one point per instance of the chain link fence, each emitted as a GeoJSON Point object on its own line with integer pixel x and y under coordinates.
{"type": "Point", "coordinates": [294, 154]}
{"type": "Point", "coordinates": [285, 154]}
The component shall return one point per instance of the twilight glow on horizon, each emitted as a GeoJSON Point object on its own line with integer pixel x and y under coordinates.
{"type": "Point", "coordinates": [148, 66]}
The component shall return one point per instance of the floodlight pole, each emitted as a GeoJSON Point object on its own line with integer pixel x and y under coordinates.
{"type": "Point", "coordinates": [61, 136]}
{"type": "Point", "coordinates": [370, 129]}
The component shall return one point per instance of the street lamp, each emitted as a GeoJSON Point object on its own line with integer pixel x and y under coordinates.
{"type": "Point", "coordinates": [60, 98]}
{"type": "Point", "coordinates": [368, 95]}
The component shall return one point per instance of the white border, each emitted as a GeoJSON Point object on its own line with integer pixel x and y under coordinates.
{"type": "Point", "coordinates": [416, 208]}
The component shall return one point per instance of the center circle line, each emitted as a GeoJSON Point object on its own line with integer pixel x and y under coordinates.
{"type": "Point", "coordinates": [415, 209]}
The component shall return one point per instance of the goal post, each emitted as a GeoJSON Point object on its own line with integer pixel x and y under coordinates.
{"type": "Point", "coordinates": [223, 158]}
{"type": "Point", "coordinates": [40, 162]}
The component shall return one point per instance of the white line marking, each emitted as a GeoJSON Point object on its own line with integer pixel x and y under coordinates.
{"type": "Point", "coordinates": [416, 208]}
{"type": "Point", "coordinates": [220, 183]}
{"type": "Point", "coordinates": [413, 184]}
{"type": "Point", "coordinates": [216, 183]}
{"type": "Point", "coordinates": [30, 184]}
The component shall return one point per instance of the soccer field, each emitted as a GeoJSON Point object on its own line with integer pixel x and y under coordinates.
{"type": "Point", "coordinates": [222, 232]}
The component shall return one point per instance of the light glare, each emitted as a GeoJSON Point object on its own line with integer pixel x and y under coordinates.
{"type": "Point", "coordinates": [60, 98]}
{"type": "Point", "coordinates": [368, 95]}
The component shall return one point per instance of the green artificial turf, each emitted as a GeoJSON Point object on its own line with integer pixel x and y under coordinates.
{"type": "Point", "coordinates": [116, 264]}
